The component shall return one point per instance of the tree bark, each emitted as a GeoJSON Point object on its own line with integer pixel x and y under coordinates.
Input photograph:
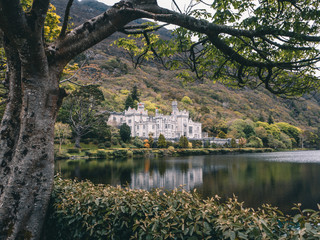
{"type": "Point", "coordinates": [27, 128]}
{"type": "Point", "coordinates": [28, 182]}
{"type": "Point", "coordinates": [77, 141]}
{"type": "Point", "coordinates": [9, 131]}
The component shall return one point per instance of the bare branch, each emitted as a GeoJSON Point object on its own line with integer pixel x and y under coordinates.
{"type": "Point", "coordinates": [143, 27]}
{"type": "Point", "coordinates": [66, 19]}
{"type": "Point", "coordinates": [174, 2]}
{"type": "Point", "coordinates": [74, 75]}
{"type": "Point", "coordinates": [93, 31]}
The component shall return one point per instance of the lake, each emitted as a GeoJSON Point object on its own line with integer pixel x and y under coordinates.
{"type": "Point", "coordinates": [278, 178]}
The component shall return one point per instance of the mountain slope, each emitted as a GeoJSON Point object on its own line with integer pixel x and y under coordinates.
{"type": "Point", "coordinates": [213, 104]}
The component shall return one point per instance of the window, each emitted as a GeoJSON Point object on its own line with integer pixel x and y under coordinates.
{"type": "Point", "coordinates": [129, 121]}
{"type": "Point", "coordinates": [157, 125]}
{"type": "Point", "coordinates": [144, 126]}
{"type": "Point", "coordinates": [143, 134]}
{"type": "Point", "coordinates": [137, 127]}
{"type": "Point", "coordinates": [166, 126]}
{"type": "Point", "coordinates": [190, 130]}
{"type": "Point", "coordinates": [152, 126]}
{"type": "Point", "coordinates": [114, 118]}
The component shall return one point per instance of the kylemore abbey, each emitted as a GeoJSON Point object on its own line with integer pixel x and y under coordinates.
{"type": "Point", "coordinates": [171, 126]}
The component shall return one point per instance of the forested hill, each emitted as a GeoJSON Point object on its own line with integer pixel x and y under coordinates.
{"type": "Point", "coordinates": [214, 105]}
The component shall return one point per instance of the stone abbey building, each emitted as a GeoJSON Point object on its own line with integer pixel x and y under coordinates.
{"type": "Point", "coordinates": [171, 126]}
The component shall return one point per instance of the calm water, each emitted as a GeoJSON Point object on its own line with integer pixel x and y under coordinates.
{"type": "Point", "coordinates": [280, 178]}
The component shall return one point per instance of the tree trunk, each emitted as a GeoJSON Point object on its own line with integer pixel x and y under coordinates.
{"type": "Point", "coordinates": [10, 125]}
{"type": "Point", "coordinates": [28, 179]}
{"type": "Point", "coordinates": [77, 141]}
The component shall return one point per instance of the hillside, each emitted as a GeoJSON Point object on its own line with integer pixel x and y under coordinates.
{"type": "Point", "coordinates": [215, 105]}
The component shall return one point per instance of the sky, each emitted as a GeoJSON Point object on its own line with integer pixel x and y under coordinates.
{"type": "Point", "coordinates": [162, 3]}
{"type": "Point", "coordinates": [183, 4]}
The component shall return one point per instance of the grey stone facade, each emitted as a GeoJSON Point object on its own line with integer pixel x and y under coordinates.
{"type": "Point", "coordinates": [171, 126]}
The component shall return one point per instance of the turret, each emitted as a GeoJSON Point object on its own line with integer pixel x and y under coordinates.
{"type": "Point", "coordinates": [140, 106]}
{"type": "Point", "coordinates": [174, 107]}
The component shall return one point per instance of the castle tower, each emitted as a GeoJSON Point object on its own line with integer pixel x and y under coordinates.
{"type": "Point", "coordinates": [175, 107]}
{"type": "Point", "coordinates": [140, 106]}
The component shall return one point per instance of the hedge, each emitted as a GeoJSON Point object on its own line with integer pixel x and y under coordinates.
{"type": "Point", "coordinates": [82, 210]}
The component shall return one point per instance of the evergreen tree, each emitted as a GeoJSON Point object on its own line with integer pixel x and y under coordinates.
{"type": "Point", "coordinates": [125, 132]}
{"type": "Point", "coordinates": [183, 142]}
{"type": "Point", "coordinates": [270, 119]}
{"type": "Point", "coordinates": [132, 98]}
{"type": "Point", "coordinates": [135, 94]}
{"type": "Point", "coordinates": [162, 143]}
{"type": "Point", "coordinates": [261, 118]}
{"type": "Point", "coordinates": [129, 102]}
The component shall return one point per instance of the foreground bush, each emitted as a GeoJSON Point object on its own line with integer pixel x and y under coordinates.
{"type": "Point", "coordinates": [82, 210]}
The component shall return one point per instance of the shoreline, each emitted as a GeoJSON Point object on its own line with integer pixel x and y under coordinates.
{"type": "Point", "coordinates": [158, 152]}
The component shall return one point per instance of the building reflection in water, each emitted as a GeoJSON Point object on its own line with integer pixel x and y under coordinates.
{"type": "Point", "coordinates": [174, 176]}
{"type": "Point", "coordinates": [169, 180]}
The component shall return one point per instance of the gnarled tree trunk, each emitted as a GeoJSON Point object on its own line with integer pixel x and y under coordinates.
{"type": "Point", "coordinates": [27, 166]}
{"type": "Point", "coordinates": [27, 128]}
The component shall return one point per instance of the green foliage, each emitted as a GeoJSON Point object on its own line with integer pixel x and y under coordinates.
{"type": "Point", "coordinates": [62, 132]}
{"type": "Point", "coordinates": [255, 142]}
{"type": "Point", "coordinates": [134, 93]}
{"type": "Point", "coordinates": [73, 150]}
{"type": "Point", "coordinates": [132, 98]}
{"type": "Point", "coordinates": [115, 66]}
{"type": "Point", "coordinates": [183, 142]}
{"type": "Point", "coordinates": [233, 143]}
{"type": "Point", "coordinates": [138, 142]}
{"type": "Point", "coordinates": [186, 100]}
{"type": "Point", "coordinates": [222, 134]}
{"type": "Point", "coordinates": [82, 210]}
{"type": "Point", "coordinates": [129, 103]}
{"type": "Point", "coordinates": [290, 130]}
{"type": "Point", "coordinates": [80, 111]}
{"type": "Point", "coordinates": [162, 143]}
{"type": "Point", "coordinates": [270, 119]}
{"type": "Point", "coordinates": [125, 132]}
{"type": "Point", "coordinates": [275, 143]}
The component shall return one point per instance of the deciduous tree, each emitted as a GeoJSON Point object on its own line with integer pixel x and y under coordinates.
{"type": "Point", "coordinates": [62, 132]}
{"type": "Point", "coordinates": [82, 107]}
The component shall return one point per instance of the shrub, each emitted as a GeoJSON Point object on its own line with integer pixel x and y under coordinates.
{"type": "Point", "coordinates": [107, 144]}
{"type": "Point", "coordinates": [233, 143]}
{"type": "Point", "coordinates": [73, 150]}
{"type": "Point", "coordinates": [123, 145]}
{"type": "Point", "coordinates": [101, 145]}
{"type": "Point", "coordinates": [82, 210]}
{"type": "Point", "coordinates": [101, 154]}
{"type": "Point", "coordinates": [114, 140]}
{"type": "Point", "coordinates": [138, 142]}
{"type": "Point", "coordinates": [171, 148]}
